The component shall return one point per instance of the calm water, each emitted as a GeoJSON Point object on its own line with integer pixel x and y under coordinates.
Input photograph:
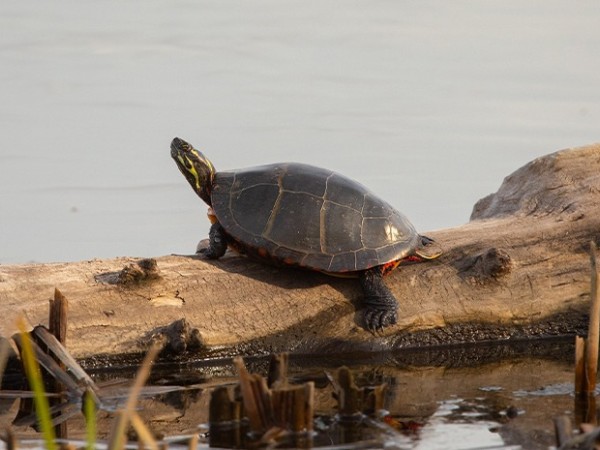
{"type": "Point", "coordinates": [429, 103]}
{"type": "Point", "coordinates": [502, 397]}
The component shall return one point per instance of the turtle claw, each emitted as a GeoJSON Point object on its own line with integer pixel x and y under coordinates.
{"type": "Point", "coordinates": [377, 318]}
{"type": "Point", "coordinates": [207, 253]}
{"type": "Point", "coordinates": [204, 250]}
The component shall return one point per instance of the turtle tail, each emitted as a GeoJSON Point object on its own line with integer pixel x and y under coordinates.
{"type": "Point", "coordinates": [428, 249]}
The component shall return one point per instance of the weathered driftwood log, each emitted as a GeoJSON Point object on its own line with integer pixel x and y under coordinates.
{"type": "Point", "coordinates": [519, 268]}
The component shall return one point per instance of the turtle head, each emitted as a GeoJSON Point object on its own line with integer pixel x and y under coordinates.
{"type": "Point", "coordinates": [196, 167]}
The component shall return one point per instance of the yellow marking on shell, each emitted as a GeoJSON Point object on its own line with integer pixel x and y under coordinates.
{"type": "Point", "coordinates": [276, 206]}
{"type": "Point", "coordinates": [392, 233]}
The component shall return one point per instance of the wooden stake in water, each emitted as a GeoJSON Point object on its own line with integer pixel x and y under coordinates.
{"type": "Point", "coordinates": [278, 368]}
{"type": "Point", "coordinates": [57, 322]}
{"type": "Point", "coordinates": [223, 420]}
{"type": "Point", "coordinates": [59, 307]}
{"type": "Point", "coordinates": [580, 384]}
{"type": "Point", "coordinates": [586, 350]}
{"type": "Point", "coordinates": [563, 430]}
{"type": "Point", "coordinates": [594, 329]}
{"type": "Point", "coordinates": [349, 395]}
{"type": "Point", "coordinates": [284, 408]}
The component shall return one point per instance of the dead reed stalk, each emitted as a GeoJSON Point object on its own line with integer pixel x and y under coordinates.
{"type": "Point", "coordinates": [587, 368]}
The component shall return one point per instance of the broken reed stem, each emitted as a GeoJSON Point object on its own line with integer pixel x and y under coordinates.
{"type": "Point", "coordinates": [563, 430]}
{"type": "Point", "coordinates": [310, 404]}
{"type": "Point", "coordinates": [57, 324]}
{"type": "Point", "coordinates": [289, 408]}
{"type": "Point", "coordinates": [586, 350]}
{"type": "Point", "coordinates": [262, 395]}
{"type": "Point", "coordinates": [223, 420]}
{"type": "Point", "coordinates": [59, 307]}
{"type": "Point", "coordinates": [221, 408]}
{"type": "Point", "coordinates": [580, 381]}
{"type": "Point", "coordinates": [144, 434]}
{"type": "Point", "coordinates": [4, 351]}
{"type": "Point", "coordinates": [278, 368]}
{"type": "Point", "coordinates": [349, 395]}
{"type": "Point", "coordinates": [193, 443]}
{"type": "Point", "coordinates": [284, 407]}
{"type": "Point", "coordinates": [594, 327]}
{"type": "Point", "coordinates": [59, 352]}
{"type": "Point", "coordinates": [252, 398]}
{"type": "Point", "coordinates": [9, 439]}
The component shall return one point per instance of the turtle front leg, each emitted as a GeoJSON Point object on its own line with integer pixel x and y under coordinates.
{"type": "Point", "coordinates": [380, 305]}
{"type": "Point", "coordinates": [217, 242]}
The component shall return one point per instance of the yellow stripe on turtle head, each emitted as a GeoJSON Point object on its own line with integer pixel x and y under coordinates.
{"type": "Point", "coordinates": [196, 168]}
{"type": "Point", "coordinates": [190, 168]}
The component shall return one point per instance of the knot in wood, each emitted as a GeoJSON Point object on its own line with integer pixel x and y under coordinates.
{"type": "Point", "coordinates": [495, 263]}
{"type": "Point", "coordinates": [177, 338]}
{"type": "Point", "coordinates": [142, 270]}
{"type": "Point", "coordinates": [492, 263]}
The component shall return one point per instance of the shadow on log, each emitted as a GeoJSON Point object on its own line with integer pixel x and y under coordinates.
{"type": "Point", "coordinates": [518, 269]}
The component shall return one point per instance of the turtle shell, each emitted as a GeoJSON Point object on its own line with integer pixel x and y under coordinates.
{"type": "Point", "coordinates": [311, 217]}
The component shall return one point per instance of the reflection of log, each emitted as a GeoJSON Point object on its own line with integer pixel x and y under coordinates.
{"type": "Point", "coordinates": [519, 268]}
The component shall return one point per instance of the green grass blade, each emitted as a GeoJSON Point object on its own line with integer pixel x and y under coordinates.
{"type": "Point", "coordinates": [89, 410]}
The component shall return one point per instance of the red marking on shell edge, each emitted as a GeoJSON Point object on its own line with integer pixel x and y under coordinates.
{"type": "Point", "coordinates": [388, 267]}
{"type": "Point", "coordinates": [212, 216]}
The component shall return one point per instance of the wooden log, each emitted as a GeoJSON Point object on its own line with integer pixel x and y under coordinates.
{"type": "Point", "coordinates": [518, 269]}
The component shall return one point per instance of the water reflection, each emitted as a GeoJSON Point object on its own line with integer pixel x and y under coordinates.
{"type": "Point", "coordinates": [496, 402]}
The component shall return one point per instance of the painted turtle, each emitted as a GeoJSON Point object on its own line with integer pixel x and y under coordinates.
{"type": "Point", "coordinates": [301, 215]}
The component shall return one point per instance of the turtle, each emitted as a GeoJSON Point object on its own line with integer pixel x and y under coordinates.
{"type": "Point", "coordinates": [295, 214]}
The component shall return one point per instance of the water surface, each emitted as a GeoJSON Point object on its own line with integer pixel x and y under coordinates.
{"type": "Point", "coordinates": [428, 103]}
{"type": "Point", "coordinates": [496, 396]}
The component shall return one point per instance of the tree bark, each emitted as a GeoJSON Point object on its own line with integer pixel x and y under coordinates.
{"type": "Point", "coordinates": [520, 268]}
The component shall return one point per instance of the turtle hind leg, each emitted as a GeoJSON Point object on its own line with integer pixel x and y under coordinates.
{"type": "Point", "coordinates": [380, 305]}
{"type": "Point", "coordinates": [217, 242]}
